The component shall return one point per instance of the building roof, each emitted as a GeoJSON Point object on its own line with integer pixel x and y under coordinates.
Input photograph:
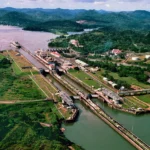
{"type": "Point", "coordinates": [111, 94]}
{"type": "Point", "coordinates": [66, 98]}
{"type": "Point", "coordinates": [116, 51]}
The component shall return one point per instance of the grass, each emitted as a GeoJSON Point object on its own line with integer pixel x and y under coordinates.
{"type": "Point", "coordinates": [16, 85]}
{"type": "Point", "coordinates": [45, 86]}
{"type": "Point", "coordinates": [21, 61]}
{"type": "Point", "coordinates": [84, 78]}
{"type": "Point", "coordinates": [1, 57]}
{"type": "Point", "coordinates": [130, 80]}
{"type": "Point", "coordinates": [16, 69]}
{"type": "Point", "coordinates": [144, 98]}
{"type": "Point", "coordinates": [20, 88]}
{"type": "Point", "coordinates": [99, 76]}
{"type": "Point", "coordinates": [64, 111]}
{"type": "Point", "coordinates": [135, 103]}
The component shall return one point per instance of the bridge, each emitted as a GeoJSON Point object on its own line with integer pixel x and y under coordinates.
{"type": "Point", "coordinates": [134, 92]}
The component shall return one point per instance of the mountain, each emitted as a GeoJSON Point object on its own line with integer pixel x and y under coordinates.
{"type": "Point", "coordinates": [140, 14]}
{"type": "Point", "coordinates": [16, 18]}
{"type": "Point", "coordinates": [46, 14]}
{"type": "Point", "coordinates": [44, 19]}
{"type": "Point", "coordinates": [138, 20]}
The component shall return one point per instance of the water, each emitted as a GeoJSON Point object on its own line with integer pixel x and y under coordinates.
{"type": "Point", "coordinates": [81, 32]}
{"type": "Point", "coordinates": [30, 40]}
{"type": "Point", "coordinates": [93, 134]}
{"type": "Point", "coordinates": [89, 131]}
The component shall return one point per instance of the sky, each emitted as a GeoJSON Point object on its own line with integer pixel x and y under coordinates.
{"type": "Point", "coordinates": [112, 5]}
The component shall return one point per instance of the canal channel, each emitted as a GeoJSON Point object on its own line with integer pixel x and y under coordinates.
{"type": "Point", "coordinates": [92, 133]}
{"type": "Point", "coordinates": [88, 131]}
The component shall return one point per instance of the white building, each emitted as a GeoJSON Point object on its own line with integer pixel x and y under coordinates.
{"type": "Point", "coordinates": [147, 56]}
{"type": "Point", "coordinates": [135, 58]}
{"type": "Point", "coordinates": [81, 63]}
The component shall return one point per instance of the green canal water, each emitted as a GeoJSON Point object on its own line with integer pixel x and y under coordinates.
{"type": "Point", "coordinates": [92, 133]}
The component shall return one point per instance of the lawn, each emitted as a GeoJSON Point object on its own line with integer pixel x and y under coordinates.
{"type": "Point", "coordinates": [20, 61]}
{"type": "Point", "coordinates": [1, 57]}
{"type": "Point", "coordinates": [45, 86]}
{"type": "Point", "coordinates": [84, 78]}
{"type": "Point", "coordinates": [16, 69]}
{"type": "Point", "coordinates": [144, 98]}
{"type": "Point", "coordinates": [130, 80]}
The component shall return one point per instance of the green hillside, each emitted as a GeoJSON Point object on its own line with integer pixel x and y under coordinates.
{"type": "Point", "coordinates": [106, 39]}
{"type": "Point", "coordinates": [64, 20]}
{"type": "Point", "coordinates": [25, 127]}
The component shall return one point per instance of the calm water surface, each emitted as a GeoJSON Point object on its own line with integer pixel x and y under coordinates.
{"type": "Point", "coordinates": [30, 40]}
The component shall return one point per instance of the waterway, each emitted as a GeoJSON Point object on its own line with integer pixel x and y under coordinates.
{"type": "Point", "coordinates": [85, 31]}
{"type": "Point", "coordinates": [89, 131]}
{"type": "Point", "coordinates": [31, 40]}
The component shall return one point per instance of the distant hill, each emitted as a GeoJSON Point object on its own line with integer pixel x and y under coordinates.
{"type": "Point", "coordinates": [62, 26]}
{"type": "Point", "coordinates": [16, 18]}
{"type": "Point", "coordinates": [65, 19]}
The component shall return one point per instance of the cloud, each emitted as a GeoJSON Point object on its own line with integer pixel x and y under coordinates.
{"type": "Point", "coordinates": [113, 5]}
{"type": "Point", "coordinates": [107, 5]}
{"type": "Point", "coordinates": [91, 1]}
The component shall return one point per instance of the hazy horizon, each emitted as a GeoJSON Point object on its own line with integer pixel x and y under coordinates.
{"type": "Point", "coordinates": [74, 9]}
{"type": "Point", "coordinates": [108, 5]}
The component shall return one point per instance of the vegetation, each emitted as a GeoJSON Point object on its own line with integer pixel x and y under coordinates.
{"type": "Point", "coordinates": [130, 80]}
{"type": "Point", "coordinates": [144, 98]}
{"type": "Point", "coordinates": [119, 83]}
{"type": "Point", "coordinates": [32, 126]}
{"type": "Point", "coordinates": [105, 39]}
{"type": "Point", "coordinates": [123, 71]}
{"type": "Point", "coordinates": [84, 78]}
{"type": "Point", "coordinates": [31, 22]}
{"type": "Point", "coordinates": [16, 87]}
{"type": "Point", "coordinates": [63, 20]}
{"type": "Point", "coordinates": [54, 26]}
{"type": "Point", "coordinates": [132, 101]}
{"type": "Point", "coordinates": [45, 86]}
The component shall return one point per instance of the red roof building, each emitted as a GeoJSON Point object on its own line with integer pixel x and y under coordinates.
{"type": "Point", "coordinates": [116, 51]}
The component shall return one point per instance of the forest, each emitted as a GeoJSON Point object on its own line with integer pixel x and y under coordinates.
{"type": "Point", "coordinates": [105, 39]}
{"type": "Point", "coordinates": [23, 127]}
{"type": "Point", "coordinates": [65, 20]}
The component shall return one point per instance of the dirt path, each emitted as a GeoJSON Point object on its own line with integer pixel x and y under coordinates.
{"type": "Point", "coordinates": [21, 101]}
